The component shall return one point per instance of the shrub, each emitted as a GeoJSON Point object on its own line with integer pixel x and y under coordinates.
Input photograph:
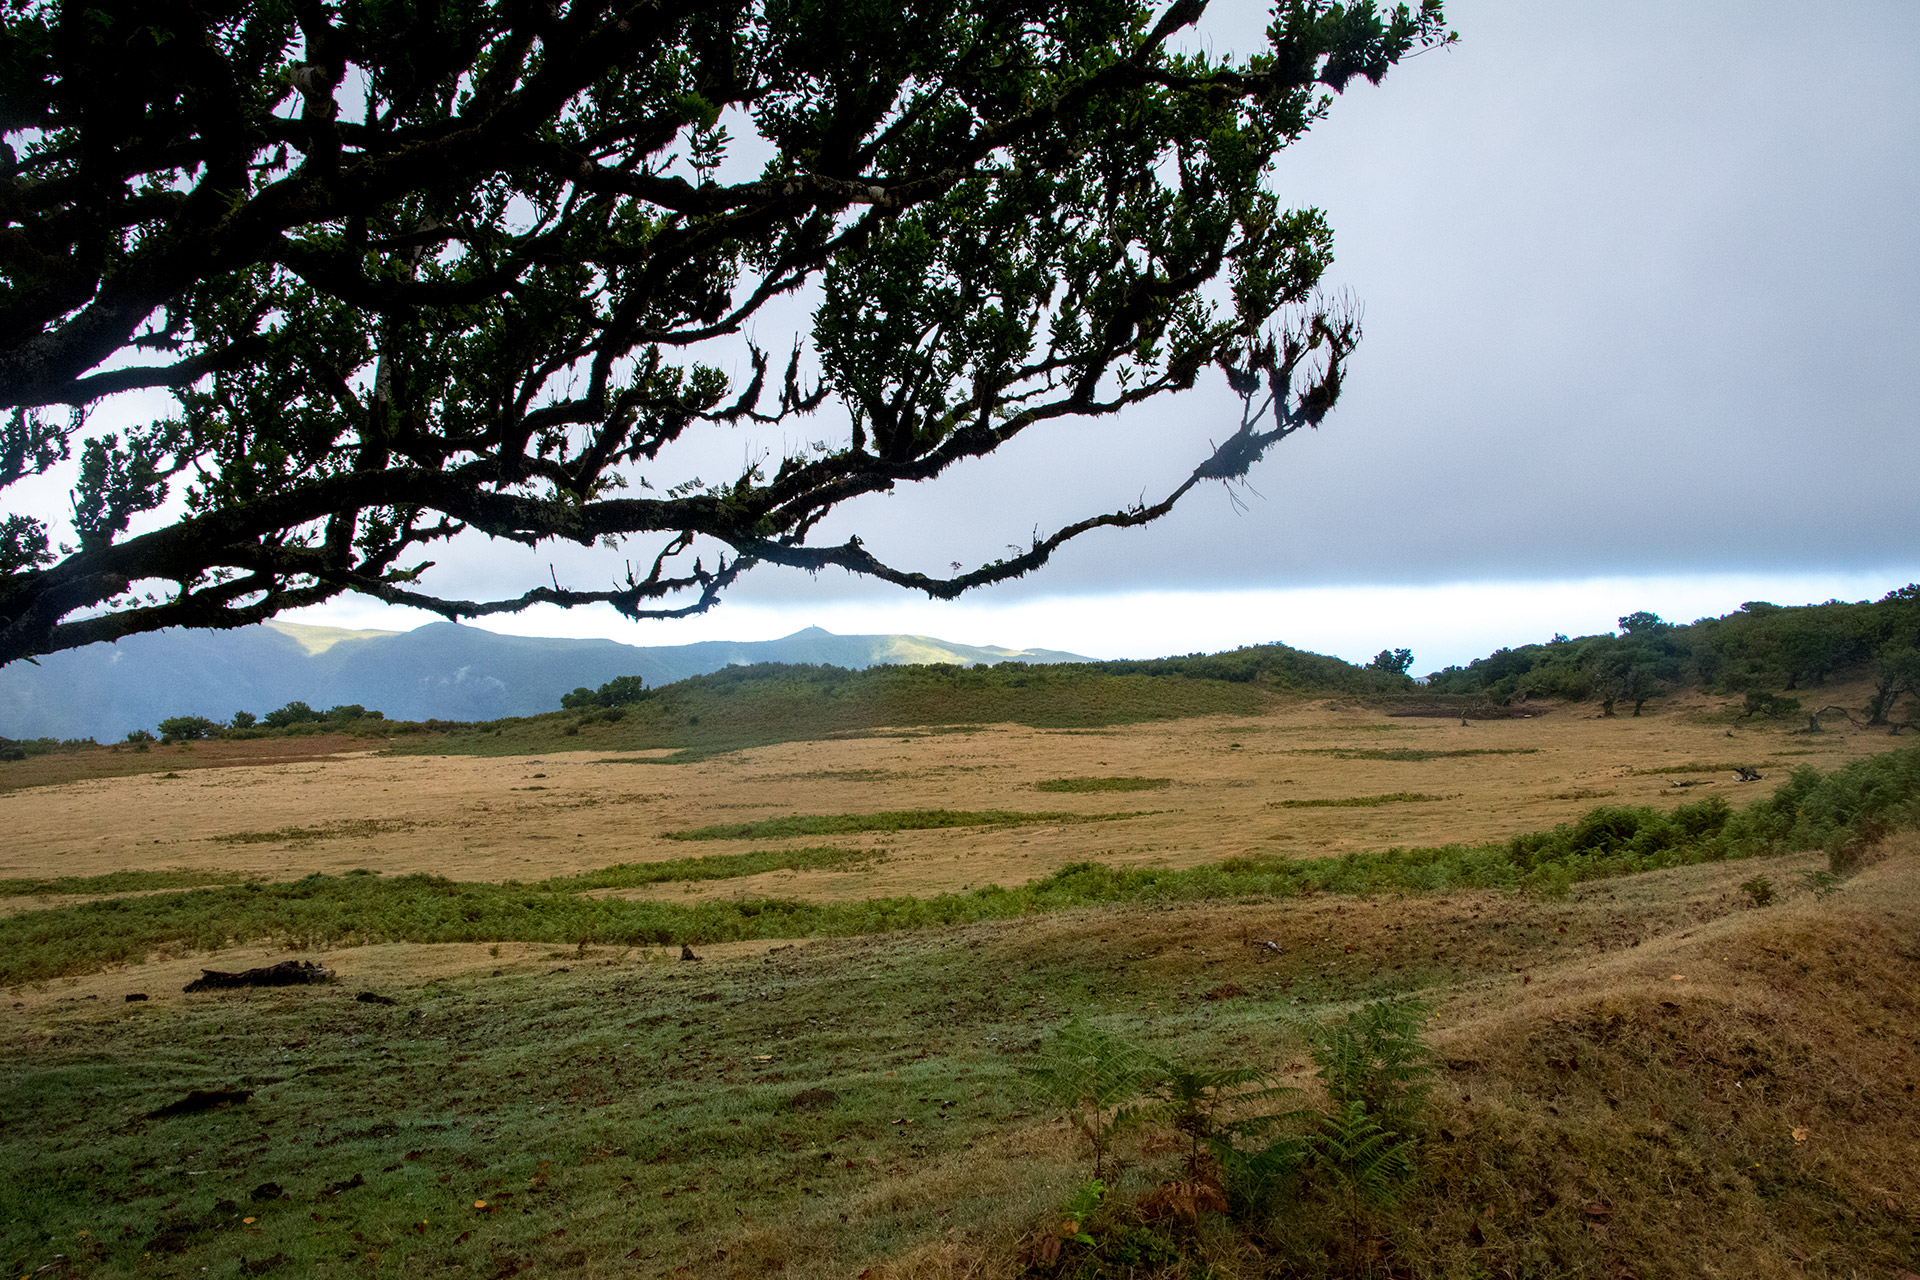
{"type": "Point", "coordinates": [187, 728]}
{"type": "Point", "coordinates": [293, 713]}
{"type": "Point", "coordinates": [1770, 706]}
{"type": "Point", "coordinates": [243, 720]}
{"type": "Point", "coordinates": [621, 691]}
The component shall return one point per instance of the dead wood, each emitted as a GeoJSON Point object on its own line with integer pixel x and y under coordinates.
{"type": "Point", "coordinates": [288, 973]}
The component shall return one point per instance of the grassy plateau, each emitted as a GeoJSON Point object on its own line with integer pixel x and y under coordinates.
{"type": "Point", "coordinates": [1639, 1067]}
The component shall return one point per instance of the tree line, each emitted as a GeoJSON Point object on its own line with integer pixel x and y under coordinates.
{"type": "Point", "coordinates": [1765, 651]}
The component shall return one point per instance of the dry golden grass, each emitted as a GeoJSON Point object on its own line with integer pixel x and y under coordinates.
{"type": "Point", "coordinates": [475, 818]}
{"type": "Point", "coordinates": [1733, 1099]}
{"type": "Point", "coordinates": [124, 760]}
{"type": "Point", "coordinates": [1696, 1089]}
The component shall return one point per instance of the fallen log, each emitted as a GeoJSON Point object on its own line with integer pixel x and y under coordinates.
{"type": "Point", "coordinates": [288, 973]}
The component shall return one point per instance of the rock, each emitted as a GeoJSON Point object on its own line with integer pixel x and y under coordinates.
{"type": "Point", "coordinates": [686, 952]}
{"type": "Point", "coordinates": [134, 996]}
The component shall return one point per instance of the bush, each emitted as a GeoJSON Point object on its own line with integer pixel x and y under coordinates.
{"type": "Point", "coordinates": [621, 691]}
{"type": "Point", "coordinates": [1770, 706]}
{"type": "Point", "coordinates": [187, 728]}
{"type": "Point", "coordinates": [243, 720]}
{"type": "Point", "coordinates": [293, 713]}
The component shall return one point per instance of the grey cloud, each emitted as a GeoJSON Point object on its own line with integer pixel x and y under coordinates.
{"type": "Point", "coordinates": [1642, 293]}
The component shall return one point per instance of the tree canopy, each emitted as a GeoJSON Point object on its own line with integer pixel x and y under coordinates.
{"type": "Point", "coordinates": [411, 268]}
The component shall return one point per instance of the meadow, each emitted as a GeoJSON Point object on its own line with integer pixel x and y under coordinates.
{"type": "Point", "coordinates": [1669, 1013]}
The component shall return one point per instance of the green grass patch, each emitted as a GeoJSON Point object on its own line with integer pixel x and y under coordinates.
{"type": "Point", "coordinates": [622, 1118]}
{"type": "Point", "coordinates": [343, 829]}
{"type": "Point", "coordinates": [845, 775]}
{"type": "Point", "coordinates": [714, 866]}
{"type": "Point", "coordinates": [1122, 783]}
{"type": "Point", "coordinates": [116, 882]}
{"type": "Point", "coordinates": [1409, 754]}
{"type": "Point", "coordinates": [1357, 802]}
{"type": "Point", "coordinates": [837, 824]}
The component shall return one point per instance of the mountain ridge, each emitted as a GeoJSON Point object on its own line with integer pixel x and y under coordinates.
{"type": "Point", "coordinates": [437, 671]}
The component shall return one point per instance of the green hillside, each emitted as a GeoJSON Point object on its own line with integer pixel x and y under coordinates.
{"type": "Point", "coordinates": [774, 702]}
{"type": "Point", "coordinates": [1765, 651]}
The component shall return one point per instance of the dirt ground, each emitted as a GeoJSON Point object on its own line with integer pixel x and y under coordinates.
{"type": "Point", "coordinates": [527, 818]}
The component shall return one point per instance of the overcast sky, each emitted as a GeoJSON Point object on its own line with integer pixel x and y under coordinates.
{"type": "Point", "coordinates": [1641, 285]}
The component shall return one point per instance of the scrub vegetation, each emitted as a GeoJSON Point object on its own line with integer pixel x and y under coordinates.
{"type": "Point", "coordinates": [1760, 653]}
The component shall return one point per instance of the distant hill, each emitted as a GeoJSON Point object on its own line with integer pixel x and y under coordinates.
{"type": "Point", "coordinates": [439, 671]}
{"type": "Point", "coordinates": [1762, 649]}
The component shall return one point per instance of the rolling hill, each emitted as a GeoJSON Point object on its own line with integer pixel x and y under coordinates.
{"type": "Point", "coordinates": [438, 671]}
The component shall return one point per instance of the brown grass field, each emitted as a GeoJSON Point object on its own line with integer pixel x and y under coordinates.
{"type": "Point", "coordinates": [280, 809]}
{"type": "Point", "coordinates": [1646, 1079]}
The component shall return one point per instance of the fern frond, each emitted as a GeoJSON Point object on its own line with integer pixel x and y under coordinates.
{"type": "Point", "coordinates": [1371, 1160]}
{"type": "Point", "coordinates": [1378, 1056]}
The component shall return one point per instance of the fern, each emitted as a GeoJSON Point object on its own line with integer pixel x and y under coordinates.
{"type": "Point", "coordinates": [1369, 1162]}
{"type": "Point", "coordinates": [1254, 1178]}
{"type": "Point", "coordinates": [1192, 1099]}
{"type": "Point", "coordinates": [1378, 1058]}
{"type": "Point", "coordinates": [1096, 1078]}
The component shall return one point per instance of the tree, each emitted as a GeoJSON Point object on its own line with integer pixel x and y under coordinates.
{"type": "Point", "coordinates": [187, 728]}
{"type": "Point", "coordinates": [295, 712]}
{"type": "Point", "coordinates": [1895, 670]}
{"type": "Point", "coordinates": [1395, 661]}
{"type": "Point", "coordinates": [620, 691]}
{"type": "Point", "coordinates": [411, 270]}
{"type": "Point", "coordinates": [1623, 672]}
